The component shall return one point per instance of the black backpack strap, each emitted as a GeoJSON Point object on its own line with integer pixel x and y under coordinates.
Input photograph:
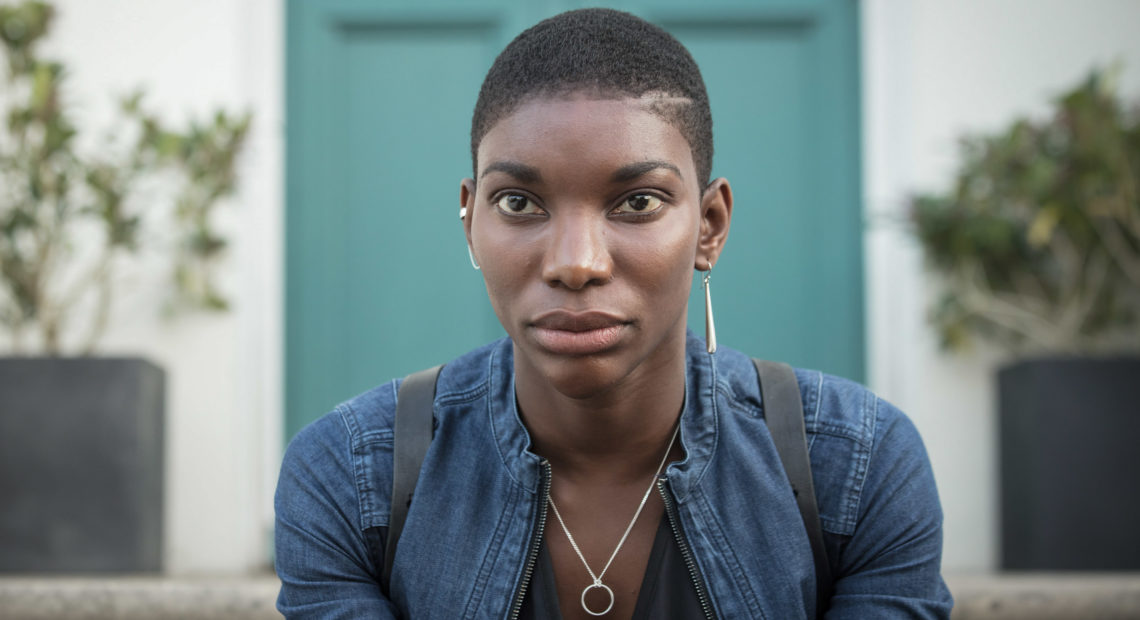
{"type": "Point", "coordinates": [413, 431]}
{"type": "Point", "coordinates": [784, 412]}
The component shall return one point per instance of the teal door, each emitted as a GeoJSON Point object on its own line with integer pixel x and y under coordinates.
{"type": "Point", "coordinates": [379, 97]}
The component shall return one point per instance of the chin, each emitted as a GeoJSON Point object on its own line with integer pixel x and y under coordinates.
{"type": "Point", "coordinates": [581, 377]}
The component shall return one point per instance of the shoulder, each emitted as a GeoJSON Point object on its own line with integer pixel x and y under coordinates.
{"type": "Point", "coordinates": [851, 433]}
{"type": "Point", "coordinates": [832, 405]}
{"type": "Point", "coordinates": [349, 449]}
{"type": "Point", "coordinates": [854, 437]}
{"type": "Point", "coordinates": [369, 416]}
{"type": "Point", "coordinates": [363, 419]}
{"type": "Point", "coordinates": [328, 466]}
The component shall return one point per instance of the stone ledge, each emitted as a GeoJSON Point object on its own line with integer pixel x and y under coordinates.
{"type": "Point", "coordinates": [1044, 596]}
{"type": "Point", "coordinates": [139, 598]}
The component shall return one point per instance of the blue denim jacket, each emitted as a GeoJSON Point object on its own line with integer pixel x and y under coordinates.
{"type": "Point", "coordinates": [479, 508]}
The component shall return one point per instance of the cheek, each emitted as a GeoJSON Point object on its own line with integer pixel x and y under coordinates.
{"type": "Point", "coordinates": [504, 262]}
{"type": "Point", "coordinates": [663, 262]}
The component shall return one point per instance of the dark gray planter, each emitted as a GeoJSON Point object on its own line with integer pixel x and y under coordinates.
{"type": "Point", "coordinates": [1070, 464]}
{"type": "Point", "coordinates": [81, 465]}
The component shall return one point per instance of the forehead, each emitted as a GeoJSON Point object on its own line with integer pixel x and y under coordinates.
{"type": "Point", "coordinates": [580, 130]}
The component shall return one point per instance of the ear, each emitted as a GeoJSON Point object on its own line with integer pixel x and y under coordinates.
{"type": "Point", "coordinates": [716, 215]}
{"type": "Point", "coordinates": [467, 201]}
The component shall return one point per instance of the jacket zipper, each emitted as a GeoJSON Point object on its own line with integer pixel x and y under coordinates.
{"type": "Point", "coordinates": [686, 551]}
{"type": "Point", "coordinates": [535, 542]}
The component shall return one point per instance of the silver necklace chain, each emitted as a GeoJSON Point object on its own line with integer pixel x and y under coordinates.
{"type": "Point", "coordinates": [597, 579]}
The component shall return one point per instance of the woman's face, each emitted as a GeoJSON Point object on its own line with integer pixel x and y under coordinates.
{"type": "Point", "coordinates": [587, 220]}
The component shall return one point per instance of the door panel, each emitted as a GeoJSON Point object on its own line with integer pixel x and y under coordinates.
{"type": "Point", "coordinates": [408, 152]}
{"type": "Point", "coordinates": [379, 100]}
{"type": "Point", "coordinates": [784, 102]}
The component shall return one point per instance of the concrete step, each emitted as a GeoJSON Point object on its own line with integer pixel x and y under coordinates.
{"type": "Point", "coordinates": [139, 598]}
{"type": "Point", "coordinates": [1044, 596]}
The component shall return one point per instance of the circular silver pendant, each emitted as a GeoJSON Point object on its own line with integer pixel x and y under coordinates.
{"type": "Point", "coordinates": [601, 586]}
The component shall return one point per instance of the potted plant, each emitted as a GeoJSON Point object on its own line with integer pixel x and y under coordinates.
{"type": "Point", "coordinates": [81, 437]}
{"type": "Point", "coordinates": [1038, 243]}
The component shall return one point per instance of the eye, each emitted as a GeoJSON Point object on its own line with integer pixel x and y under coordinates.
{"type": "Point", "coordinates": [639, 204]}
{"type": "Point", "coordinates": [517, 204]}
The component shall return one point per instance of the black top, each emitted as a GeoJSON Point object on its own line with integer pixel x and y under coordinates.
{"type": "Point", "coordinates": [667, 590]}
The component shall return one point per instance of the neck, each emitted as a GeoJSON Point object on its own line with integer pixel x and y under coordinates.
{"type": "Point", "coordinates": [620, 433]}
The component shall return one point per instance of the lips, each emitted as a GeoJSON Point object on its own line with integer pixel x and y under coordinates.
{"type": "Point", "coordinates": [578, 333]}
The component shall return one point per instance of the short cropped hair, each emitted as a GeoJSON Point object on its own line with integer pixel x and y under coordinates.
{"type": "Point", "coordinates": [608, 54]}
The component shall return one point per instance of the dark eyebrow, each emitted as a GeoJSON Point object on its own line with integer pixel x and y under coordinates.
{"type": "Point", "coordinates": [633, 171]}
{"type": "Point", "coordinates": [522, 172]}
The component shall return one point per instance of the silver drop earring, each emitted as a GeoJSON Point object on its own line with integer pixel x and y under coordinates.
{"type": "Point", "coordinates": [470, 254]}
{"type": "Point", "coordinates": [710, 327]}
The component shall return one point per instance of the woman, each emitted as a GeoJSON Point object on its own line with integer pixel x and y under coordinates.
{"type": "Point", "coordinates": [602, 460]}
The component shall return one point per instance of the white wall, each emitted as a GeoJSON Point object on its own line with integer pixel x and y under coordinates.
{"type": "Point", "coordinates": [223, 371]}
{"type": "Point", "coordinates": [933, 70]}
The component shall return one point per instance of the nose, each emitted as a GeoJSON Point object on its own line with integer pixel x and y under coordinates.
{"type": "Point", "coordinates": [577, 255]}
